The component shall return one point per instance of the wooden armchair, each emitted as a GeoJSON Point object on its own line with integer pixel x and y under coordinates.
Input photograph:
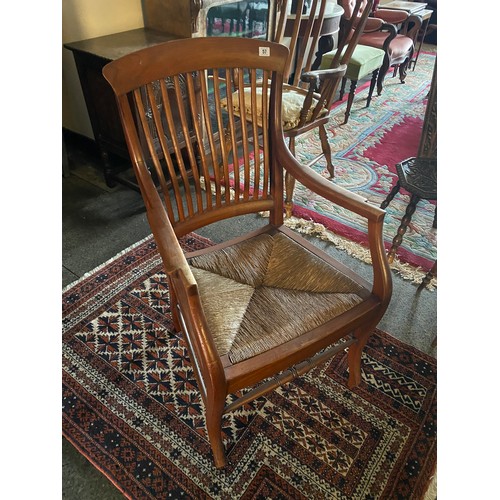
{"type": "Point", "coordinates": [308, 94]}
{"type": "Point", "coordinates": [267, 306]}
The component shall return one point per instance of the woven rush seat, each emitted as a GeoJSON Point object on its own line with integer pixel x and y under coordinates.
{"type": "Point", "coordinates": [244, 285]}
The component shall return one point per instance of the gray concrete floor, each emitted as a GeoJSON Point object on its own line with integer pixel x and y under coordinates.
{"type": "Point", "coordinates": [98, 222]}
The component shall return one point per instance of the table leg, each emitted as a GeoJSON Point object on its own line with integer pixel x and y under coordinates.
{"type": "Point", "coordinates": [421, 35]}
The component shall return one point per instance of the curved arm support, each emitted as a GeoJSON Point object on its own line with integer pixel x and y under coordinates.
{"type": "Point", "coordinates": [330, 191]}
{"type": "Point", "coordinates": [382, 281]}
{"type": "Point", "coordinates": [392, 35]}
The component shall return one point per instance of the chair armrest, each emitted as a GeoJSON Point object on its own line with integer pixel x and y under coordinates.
{"type": "Point", "coordinates": [328, 190]}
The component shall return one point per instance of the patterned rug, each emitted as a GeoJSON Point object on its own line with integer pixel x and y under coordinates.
{"type": "Point", "coordinates": [130, 405]}
{"type": "Point", "coordinates": [365, 152]}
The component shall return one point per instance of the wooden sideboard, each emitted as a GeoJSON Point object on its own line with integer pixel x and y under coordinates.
{"type": "Point", "coordinates": [90, 57]}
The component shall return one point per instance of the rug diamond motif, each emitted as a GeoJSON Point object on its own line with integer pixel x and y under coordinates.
{"type": "Point", "coordinates": [130, 404]}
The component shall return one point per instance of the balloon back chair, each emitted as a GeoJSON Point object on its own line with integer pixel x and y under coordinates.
{"type": "Point", "coordinates": [265, 307]}
{"type": "Point", "coordinates": [394, 32]}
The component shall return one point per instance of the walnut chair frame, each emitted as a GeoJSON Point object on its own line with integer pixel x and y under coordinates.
{"type": "Point", "coordinates": [188, 179]}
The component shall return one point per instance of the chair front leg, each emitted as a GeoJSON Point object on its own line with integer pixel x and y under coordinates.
{"type": "Point", "coordinates": [214, 412]}
{"type": "Point", "coordinates": [354, 355]}
{"type": "Point", "coordinates": [325, 146]}
{"type": "Point", "coordinates": [350, 100]}
{"type": "Point", "coordinates": [403, 68]}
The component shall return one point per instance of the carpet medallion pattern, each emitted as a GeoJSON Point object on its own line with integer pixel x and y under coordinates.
{"type": "Point", "coordinates": [131, 406]}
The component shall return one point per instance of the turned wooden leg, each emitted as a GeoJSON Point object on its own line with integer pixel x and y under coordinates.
{"type": "Point", "coordinates": [325, 146]}
{"type": "Point", "coordinates": [372, 87]}
{"type": "Point", "coordinates": [342, 88]}
{"type": "Point", "coordinates": [214, 412]}
{"type": "Point", "coordinates": [391, 195]}
{"type": "Point", "coordinates": [289, 184]}
{"type": "Point", "coordinates": [410, 209]}
{"type": "Point", "coordinates": [354, 356]}
{"type": "Point", "coordinates": [428, 277]}
{"type": "Point", "coordinates": [350, 100]}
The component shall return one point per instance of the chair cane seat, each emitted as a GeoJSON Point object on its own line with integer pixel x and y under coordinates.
{"type": "Point", "coordinates": [242, 286]}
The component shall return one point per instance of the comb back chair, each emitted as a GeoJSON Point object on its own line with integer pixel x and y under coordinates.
{"type": "Point", "coordinates": [267, 306]}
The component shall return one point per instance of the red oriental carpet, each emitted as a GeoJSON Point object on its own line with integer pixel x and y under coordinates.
{"type": "Point", "coordinates": [365, 152]}
{"type": "Point", "coordinates": [130, 405]}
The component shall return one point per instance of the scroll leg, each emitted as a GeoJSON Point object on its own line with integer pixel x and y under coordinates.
{"type": "Point", "coordinates": [381, 75]}
{"type": "Point", "coordinates": [350, 100]}
{"type": "Point", "coordinates": [403, 68]}
{"type": "Point", "coordinates": [410, 209]}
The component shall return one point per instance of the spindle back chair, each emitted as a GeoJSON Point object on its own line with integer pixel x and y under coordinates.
{"type": "Point", "coordinates": [265, 307]}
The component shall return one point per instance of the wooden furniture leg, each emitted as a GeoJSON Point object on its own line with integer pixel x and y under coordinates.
{"type": "Point", "coordinates": [405, 221]}
{"type": "Point", "coordinates": [372, 87]}
{"type": "Point", "coordinates": [390, 196]}
{"type": "Point", "coordinates": [289, 183]}
{"type": "Point", "coordinates": [327, 151]}
{"type": "Point", "coordinates": [428, 277]}
{"type": "Point", "coordinates": [350, 100]}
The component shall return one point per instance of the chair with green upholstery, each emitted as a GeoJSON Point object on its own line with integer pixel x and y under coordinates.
{"type": "Point", "coordinates": [364, 61]}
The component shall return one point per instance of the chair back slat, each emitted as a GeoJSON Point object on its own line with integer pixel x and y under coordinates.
{"type": "Point", "coordinates": [201, 144]}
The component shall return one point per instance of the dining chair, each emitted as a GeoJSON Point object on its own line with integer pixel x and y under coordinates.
{"type": "Point", "coordinates": [258, 310]}
{"type": "Point", "coordinates": [394, 32]}
{"type": "Point", "coordinates": [364, 61]}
